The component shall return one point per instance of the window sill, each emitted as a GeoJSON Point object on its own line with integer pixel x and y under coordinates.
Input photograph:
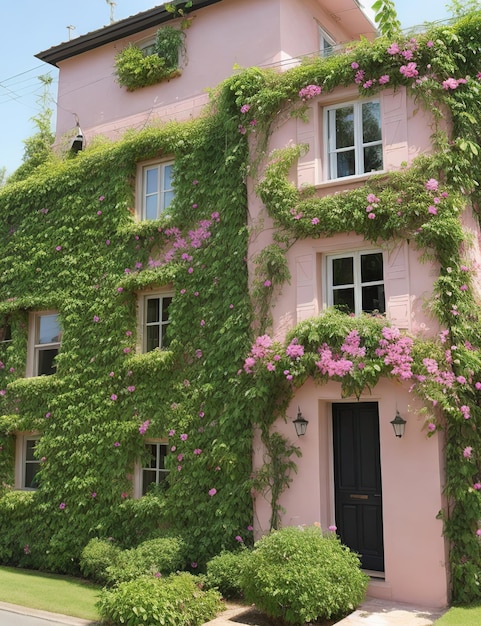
{"type": "Point", "coordinates": [348, 180]}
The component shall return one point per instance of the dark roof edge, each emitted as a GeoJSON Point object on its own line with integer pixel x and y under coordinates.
{"type": "Point", "coordinates": [113, 32]}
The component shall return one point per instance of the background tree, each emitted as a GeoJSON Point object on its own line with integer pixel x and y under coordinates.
{"type": "Point", "coordinates": [38, 147]}
{"type": "Point", "coordinates": [386, 18]}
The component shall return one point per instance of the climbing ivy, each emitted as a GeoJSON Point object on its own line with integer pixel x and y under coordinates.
{"type": "Point", "coordinates": [70, 243]}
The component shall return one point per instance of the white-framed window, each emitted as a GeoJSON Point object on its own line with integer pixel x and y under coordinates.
{"type": "Point", "coordinates": [27, 465]}
{"type": "Point", "coordinates": [151, 473]}
{"type": "Point", "coordinates": [155, 320]}
{"type": "Point", "coordinates": [354, 138]}
{"type": "Point", "coordinates": [155, 189]}
{"type": "Point", "coordinates": [327, 43]}
{"type": "Point", "coordinates": [5, 333]}
{"type": "Point", "coordinates": [355, 282]}
{"type": "Point", "coordinates": [45, 336]}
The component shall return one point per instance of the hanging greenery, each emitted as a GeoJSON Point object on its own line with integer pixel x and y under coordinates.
{"type": "Point", "coordinates": [136, 69]}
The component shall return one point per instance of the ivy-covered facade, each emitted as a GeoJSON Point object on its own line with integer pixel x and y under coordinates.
{"type": "Point", "coordinates": [178, 345]}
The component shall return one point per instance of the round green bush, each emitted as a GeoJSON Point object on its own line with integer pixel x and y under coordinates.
{"type": "Point", "coordinates": [173, 601]}
{"type": "Point", "coordinates": [96, 557]}
{"type": "Point", "coordinates": [155, 556]}
{"type": "Point", "coordinates": [224, 572]}
{"type": "Point", "coordinates": [299, 575]}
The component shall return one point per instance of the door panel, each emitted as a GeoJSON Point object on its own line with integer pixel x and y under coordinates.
{"type": "Point", "coordinates": [357, 477]}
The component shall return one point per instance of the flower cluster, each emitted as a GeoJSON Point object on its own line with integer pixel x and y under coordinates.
{"type": "Point", "coordinates": [311, 91]}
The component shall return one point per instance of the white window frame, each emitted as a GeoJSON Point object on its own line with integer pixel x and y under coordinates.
{"type": "Point", "coordinates": [35, 346]}
{"type": "Point", "coordinates": [21, 461]}
{"type": "Point", "coordinates": [160, 166]}
{"type": "Point", "coordinates": [327, 44]}
{"type": "Point", "coordinates": [160, 471]}
{"type": "Point", "coordinates": [142, 323]}
{"type": "Point", "coordinates": [357, 285]}
{"type": "Point", "coordinates": [331, 151]}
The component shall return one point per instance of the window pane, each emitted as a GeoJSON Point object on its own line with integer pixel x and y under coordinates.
{"type": "Point", "coordinates": [153, 335]}
{"type": "Point", "coordinates": [148, 478]}
{"type": "Point", "coordinates": [373, 299]}
{"type": "Point", "coordinates": [371, 122]}
{"type": "Point", "coordinates": [151, 203]}
{"type": "Point", "coordinates": [373, 158]}
{"type": "Point", "coordinates": [346, 163]}
{"type": "Point", "coordinates": [153, 313]}
{"type": "Point", "coordinates": [46, 365]}
{"type": "Point", "coordinates": [162, 455]}
{"type": "Point", "coordinates": [30, 449]}
{"type": "Point", "coordinates": [152, 452]}
{"type": "Point", "coordinates": [168, 197]}
{"type": "Point", "coordinates": [165, 308]}
{"type": "Point", "coordinates": [343, 271]}
{"type": "Point", "coordinates": [371, 267]}
{"type": "Point", "coordinates": [48, 329]}
{"type": "Point", "coordinates": [344, 298]}
{"type": "Point", "coordinates": [31, 470]}
{"type": "Point", "coordinates": [152, 180]}
{"type": "Point", "coordinates": [344, 127]}
{"type": "Point", "coordinates": [168, 171]}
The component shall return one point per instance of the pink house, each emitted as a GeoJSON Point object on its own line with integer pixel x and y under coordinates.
{"type": "Point", "coordinates": [382, 492]}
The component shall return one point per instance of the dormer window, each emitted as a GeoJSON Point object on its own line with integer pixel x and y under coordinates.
{"type": "Point", "coordinates": [326, 43]}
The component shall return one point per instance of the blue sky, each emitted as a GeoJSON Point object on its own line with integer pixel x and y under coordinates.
{"type": "Point", "coordinates": [31, 26]}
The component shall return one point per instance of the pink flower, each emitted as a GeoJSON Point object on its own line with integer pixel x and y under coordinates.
{"type": "Point", "coordinates": [99, 212]}
{"type": "Point", "coordinates": [433, 210]}
{"type": "Point", "coordinates": [430, 44]}
{"type": "Point", "coordinates": [306, 93]}
{"type": "Point", "coordinates": [465, 410]}
{"type": "Point", "coordinates": [450, 83]}
{"type": "Point", "coordinates": [431, 427]}
{"type": "Point", "coordinates": [113, 397]}
{"type": "Point", "coordinates": [355, 66]}
{"type": "Point", "coordinates": [26, 549]}
{"type": "Point", "coordinates": [96, 318]}
{"type": "Point", "coordinates": [193, 565]}
{"type": "Point", "coordinates": [126, 350]}
{"type": "Point", "coordinates": [393, 49]}
{"type": "Point", "coordinates": [198, 354]}
{"type": "Point", "coordinates": [371, 216]}
{"type": "Point", "coordinates": [431, 185]}
{"type": "Point", "coordinates": [197, 451]}
{"type": "Point", "coordinates": [131, 388]}
{"type": "Point", "coordinates": [409, 70]}
{"type": "Point", "coordinates": [332, 528]}
{"type": "Point", "coordinates": [464, 287]}
{"type": "Point", "coordinates": [477, 486]}
{"type": "Point", "coordinates": [478, 532]}
{"type": "Point", "coordinates": [101, 198]}
{"type": "Point", "coordinates": [116, 444]}
{"type": "Point", "coordinates": [93, 494]}
{"type": "Point", "coordinates": [467, 452]}
{"type": "Point", "coordinates": [383, 79]}
{"type": "Point", "coordinates": [212, 492]}
{"type": "Point", "coordinates": [143, 427]}
{"type": "Point", "coordinates": [314, 221]}
{"type": "Point", "coordinates": [267, 283]}
{"type": "Point", "coordinates": [244, 108]}
{"type": "Point", "coordinates": [124, 495]}
{"type": "Point", "coordinates": [62, 505]}
{"type": "Point", "coordinates": [184, 437]}
{"type": "Point", "coordinates": [58, 248]}
{"type": "Point", "coordinates": [239, 539]}
{"type": "Point", "coordinates": [250, 528]}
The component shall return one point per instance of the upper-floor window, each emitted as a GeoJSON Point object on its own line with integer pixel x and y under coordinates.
{"type": "Point", "coordinates": [155, 321]}
{"type": "Point", "coordinates": [27, 465]}
{"type": "Point", "coordinates": [326, 43]}
{"type": "Point", "coordinates": [156, 189]}
{"type": "Point", "coordinates": [153, 471]}
{"type": "Point", "coordinates": [355, 282]}
{"type": "Point", "coordinates": [354, 138]}
{"type": "Point", "coordinates": [45, 335]}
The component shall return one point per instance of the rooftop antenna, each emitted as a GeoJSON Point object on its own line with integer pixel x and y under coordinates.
{"type": "Point", "coordinates": [112, 4]}
{"type": "Point", "coordinates": [70, 28]}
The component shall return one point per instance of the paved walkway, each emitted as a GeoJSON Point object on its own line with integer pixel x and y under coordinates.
{"type": "Point", "coordinates": [372, 612]}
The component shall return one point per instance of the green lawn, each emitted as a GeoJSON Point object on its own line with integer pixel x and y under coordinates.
{"type": "Point", "coordinates": [467, 616]}
{"type": "Point", "coordinates": [48, 592]}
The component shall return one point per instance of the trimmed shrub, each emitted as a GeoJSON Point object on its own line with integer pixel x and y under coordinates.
{"type": "Point", "coordinates": [96, 557]}
{"type": "Point", "coordinates": [156, 556]}
{"type": "Point", "coordinates": [299, 575]}
{"type": "Point", "coordinates": [173, 601]}
{"type": "Point", "coordinates": [224, 572]}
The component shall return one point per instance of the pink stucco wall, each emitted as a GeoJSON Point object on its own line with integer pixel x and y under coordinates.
{"type": "Point", "coordinates": [412, 470]}
{"type": "Point", "coordinates": [220, 38]}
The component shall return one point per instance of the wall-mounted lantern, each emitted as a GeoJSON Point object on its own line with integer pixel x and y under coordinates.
{"type": "Point", "coordinates": [399, 424]}
{"type": "Point", "coordinates": [300, 423]}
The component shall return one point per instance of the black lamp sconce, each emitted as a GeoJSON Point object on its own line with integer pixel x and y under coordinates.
{"type": "Point", "coordinates": [300, 423]}
{"type": "Point", "coordinates": [399, 425]}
